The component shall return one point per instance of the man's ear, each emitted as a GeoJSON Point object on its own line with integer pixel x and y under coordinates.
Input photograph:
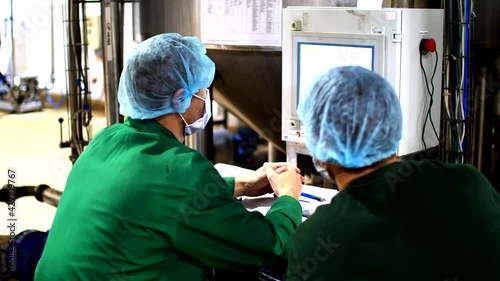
{"type": "Point", "coordinates": [177, 98]}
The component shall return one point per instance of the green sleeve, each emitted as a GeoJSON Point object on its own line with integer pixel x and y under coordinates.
{"type": "Point", "coordinates": [230, 184]}
{"type": "Point", "coordinates": [473, 224]}
{"type": "Point", "coordinates": [216, 230]}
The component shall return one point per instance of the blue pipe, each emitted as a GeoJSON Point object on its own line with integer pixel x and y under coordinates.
{"type": "Point", "coordinates": [466, 64]}
{"type": "Point", "coordinates": [52, 103]}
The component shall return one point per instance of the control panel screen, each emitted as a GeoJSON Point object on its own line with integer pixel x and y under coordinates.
{"type": "Point", "coordinates": [315, 59]}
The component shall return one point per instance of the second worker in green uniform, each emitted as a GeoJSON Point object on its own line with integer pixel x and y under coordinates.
{"type": "Point", "coordinates": [392, 220]}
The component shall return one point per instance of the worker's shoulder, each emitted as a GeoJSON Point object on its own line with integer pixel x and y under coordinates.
{"type": "Point", "coordinates": [453, 170]}
{"type": "Point", "coordinates": [182, 158]}
{"type": "Point", "coordinates": [437, 167]}
{"type": "Point", "coordinates": [183, 152]}
{"type": "Point", "coordinates": [113, 133]}
{"type": "Point", "coordinates": [450, 174]}
{"type": "Point", "coordinates": [432, 176]}
{"type": "Point", "coordinates": [466, 174]}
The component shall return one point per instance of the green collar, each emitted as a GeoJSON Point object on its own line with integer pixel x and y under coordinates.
{"type": "Point", "coordinates": [149, 126]}
{"type": "Point", "coordinates": [378, 185]}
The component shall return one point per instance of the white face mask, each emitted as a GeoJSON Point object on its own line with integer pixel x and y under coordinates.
{"type": "Point", "coordinates": [323, 172]}
{"type": "Point", "coordinates": [202, 122]}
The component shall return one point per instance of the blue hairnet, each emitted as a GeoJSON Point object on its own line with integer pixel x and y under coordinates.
{"type": "Point", "coordinates": [352, 117]}
{"type": "Point", "coordinates": [157, 68]}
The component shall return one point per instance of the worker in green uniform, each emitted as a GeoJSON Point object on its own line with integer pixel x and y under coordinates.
{"type": "Point", "coordinates": [391, 220]}
{"type": "Point", "coordinates": [140, 205]}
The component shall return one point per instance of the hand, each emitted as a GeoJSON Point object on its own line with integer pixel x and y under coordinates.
{"type": "Point", "coordinates": [254, 184]}
{"type": "Point", "coordinates": [257, 183]}
{"type": "Point", "coordinates": [285, 180]}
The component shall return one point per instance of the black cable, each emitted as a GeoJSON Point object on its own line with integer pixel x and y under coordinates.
{"type": "Point", "coordinates": [427, 115]}
{"type": "Point", "coordinates": [432, 95]}
{"type": "Point", "coordinates": [452, 141]}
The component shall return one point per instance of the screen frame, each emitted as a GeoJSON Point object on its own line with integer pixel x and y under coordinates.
{"type": "Point", "coordinates": [374, 41]}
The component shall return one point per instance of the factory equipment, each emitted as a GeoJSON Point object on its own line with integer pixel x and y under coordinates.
{"type": "Point", "coordinates": [25, 248]}
{"type": "Point", "coordinates": [485, 108]}
{"type": "Point", "coordinates": [402, 45]}
{"type": "Point", "coordinates": [42, 193]}
{"type": "Point", "coordinates": [23, 96]}
{"type": "Point", "coordinates": [24, 252]}
{"type": "Point", "coordinates": [78, 90]}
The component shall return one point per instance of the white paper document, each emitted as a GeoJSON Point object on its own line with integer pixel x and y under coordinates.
{"type": "Point", "coordinates": [262, 204]}
{"type": "Point", "coordinates": [241, 22]}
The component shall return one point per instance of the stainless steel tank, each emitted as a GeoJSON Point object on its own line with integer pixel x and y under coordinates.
{"type": "Point", "coordinates": [248, 84]}
{"type": "Point", "coordinates": [160, 16]}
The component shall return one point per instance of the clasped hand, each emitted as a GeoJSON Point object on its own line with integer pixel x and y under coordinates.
{"type": "Point", "coordinates": [280, 178]}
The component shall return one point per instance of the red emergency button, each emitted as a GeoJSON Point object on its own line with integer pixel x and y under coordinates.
{"type": "Point", "coordinates": [430, 45]}
{"type": "Point", "coordinates": [427, 45]}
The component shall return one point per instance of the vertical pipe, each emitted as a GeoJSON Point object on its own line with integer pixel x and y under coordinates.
{"type": "Point", "coordinates": [52, 41]}
{"type": "Point", "coordinates": [72, 72]}
{"type": "Point", "coordinates": [112, 58]}
{"type": "Point", "coordinates": [291, 154]}
{"type": "Point", "coordinates": [13, 47]}
{"type": "Point", "coordinates": [480, 118]}
{"type": "Point", "coordinates": [466, 75]}
{"type": "Point", "coordinates": [87, 108]}
{"type": "Point", "coordinates": [198, 141]}
{"type": "Point", "coordinates": [496, 109]}
{"type": "Point", "coordinates": [444, 115]}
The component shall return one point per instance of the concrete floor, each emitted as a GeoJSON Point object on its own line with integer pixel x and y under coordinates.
{"type": "Point", "coordinates": [29, 144]}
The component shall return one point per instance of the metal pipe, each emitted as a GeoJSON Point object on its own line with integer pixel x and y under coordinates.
{"type": "Point", "coordinates": [87, 105]}
{"type": "Point", "coordinates": [497, 104]}
{"type": "Point", "coordinates": [197, 141]}
{"type": "Point", "coordinates": [42, 193]}
{"type": "Point", "coordinates": [112, 58]}
{"type": "Point", "coordinates": [73, 93]}
{"type": "Point", "coordinates": [13, 50]}
{"type": "Point", "coordinates": [52, 40]}
{"type": "Point", "coordinates": [480, 118]}
{"type": "Point", "coordinates": [51, 196]}
{"type": "Point", "coordinates": [10, 193]}
{"type": "Point", "coordinates": [496, 109]}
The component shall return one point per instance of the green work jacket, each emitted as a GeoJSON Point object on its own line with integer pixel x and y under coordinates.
{"type": "Point", "coordinates": [140, 205]}
{"type": "Point", "coordinates": [407, 221]}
